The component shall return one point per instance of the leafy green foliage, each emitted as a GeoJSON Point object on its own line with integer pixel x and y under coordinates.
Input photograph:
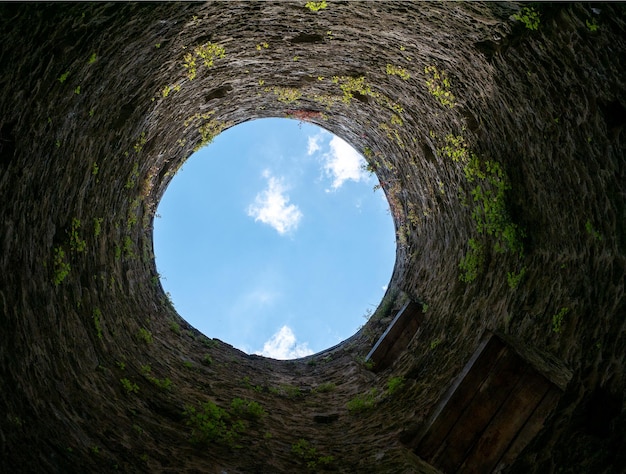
{"type": "Point", "coordinates": [592, 25]}
{"type": "Point", "coordinates": [247, 409]}
{"type": "Point", "coordinates": [164, 384]}
{"type": "Point", "coordinates": [128, 247]}
{"type": "Point", "coordinates": [63, 77]}
{"type": "Point", "coordinates": [472, 262]}
{"type": "Point", "coordinates": [97, 314]}
{"type": "Point", "coordinates": [316, 6]}
{"type": "Point", "coordinates": [489, 210]}
{"type": "Point", "coordinates": [303, 450]}
{"type": "Point", "coordinates": [398, 71]}
{"type": "Point", "coordinates": [394, 384]}
{"type": "Point", "coordinates": [129, 386]}
{"type": "Point", "coordinates": [287, 95]}
{"type": "Point", "coordinates": [76, 243]}
{"type": "Point", "coordinates": [514, 279]}
{"type": "Point", "coordinates": [353, 85]}
{"type": "Point", "coordinates": [325, 387]}
{"type": "Point", "coordinates": [175, 327]}
{"type": "Point", "coordinates": [287, 391]}
{"type": "Point", "coordinates": [211, 424]}
{"type": "Point", "coordinates": [132, 178]}
{"type": "Point", "coordinates": [557, 319]}
{"type": "Point", "coordinates": [529, 16]}
{"type": "Point", "coordinates": [97, 226]}
{"type": "Point", "coordinates": [209, 129]}
{"type": "Point", "coordinates": [141, 141]}
{"type": "Point", "coordinates": [145, 336]}
{"type": "Point", "coordinates": [592, 231]}
{"type": "Point", "coordinates": [208, 53]}
{"type": "Point", "coordinates": [61, 266]}
{"type": "Point", "coordinates": [439, 86]}
{"type": "Point", "coordinates": [363, 402]}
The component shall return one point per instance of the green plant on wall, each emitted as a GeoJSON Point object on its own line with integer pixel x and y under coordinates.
{"type": "Point", "coordinates": [63, 77]}
{"type": "Point", "coordinates": [529, 17]}
{"type": "Point", "coordinates": [61, 266]}
{"type": "Point", "coordinates": [592, 25]}
{"type": "Point", "coordinates": [398, 71]}
{"type": "Point", "coordinates": [208, 53]}
{"type": "Point", "coordinates": [287, 95]}
{"type": "Point", "coordinates": [210, 423]}
{"type": "Point", "coordinates": [353, 85]}
{"type": "Point", "coordinates": [164, 384]}
{"type": "Point", "coordinates": [472, 262]}
{"type": "Point", "coordinates": [592, 231]}
{"type": "Point", "coordinates": [489, 211]}
{"type": "Point", "coordinates": [76, 243]}
{"type": "Point", "coordinates": [316, 6]}
{"type": "Point", "coordinates": [208, 129]}
{"type": "Point", "coordinates": [129, 387]}
{"type": "Point", "coordinates": [132, 178]}
{"type": "Point", "coordinates": [144, 335]}
{"type": "Point", "coordinates": [362, 402]}
{"type": "Point", "coordinates": [557, 319]}
{"type": "Point", "coordinates": [97, 314]}
{"type": "Point", "coordinates": [514, 279]}
{"type": "Point", "coordinates": [308, 454]}
{"type": "Point", "coordinates": [97, 226]}
{"type": "Point", "coordinates": [141, 141]}
{"type": "Point", "coordinates": [439, 86]}
{"type": "Point", "coordinates": [395, 384]}
{"type": "Point", "coordinates": [248, 409]}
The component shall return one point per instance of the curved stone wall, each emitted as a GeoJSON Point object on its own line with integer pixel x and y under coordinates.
{"type": "Point", "coordinates": [500, 149]}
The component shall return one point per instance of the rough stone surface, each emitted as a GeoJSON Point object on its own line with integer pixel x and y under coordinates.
{"type": "Point", "coordinates": [548, 105]}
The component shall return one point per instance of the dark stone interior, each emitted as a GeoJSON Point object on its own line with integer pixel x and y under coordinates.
{"type": "Point", "coordinates": [86, 156]}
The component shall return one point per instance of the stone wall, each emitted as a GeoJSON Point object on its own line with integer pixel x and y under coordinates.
{"type": "Point", "coordinates": [468, 118]}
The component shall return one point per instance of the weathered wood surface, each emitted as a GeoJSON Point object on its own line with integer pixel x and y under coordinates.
{"type": "Point", "coordinates": [496, 406]}
{"type": "Point", "coordinates": [397, 336]}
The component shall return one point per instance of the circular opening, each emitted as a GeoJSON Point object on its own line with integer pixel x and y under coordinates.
{"type": "Point", "coordinates": [272, 239]}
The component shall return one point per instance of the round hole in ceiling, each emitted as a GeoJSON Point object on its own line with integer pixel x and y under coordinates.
{"type": "Point", "coordinates": [273, 239]}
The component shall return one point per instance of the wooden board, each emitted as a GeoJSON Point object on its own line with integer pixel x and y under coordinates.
{"type": "Point", "coordinates": [396, 337]}
{"type": "Point", "coordinates": [495, 407]}
{"type": "Point", "coordinates": [486, 401]}
{"type": "Point", "coordinates": [455, 400]}
{"type": "Point", "coordinates": [507, 422]}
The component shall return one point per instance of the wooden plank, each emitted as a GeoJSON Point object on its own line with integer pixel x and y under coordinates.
{"type": "Point", "coordinates": [507, 422]}
{"type": "Point", "coordinates": [488, 399]}
{"type": "Point", "coordinates": [397, 336]}
{"type": "Point", "coordinates": [531, 428]}
{"type": "Point", "coordinates": [543, 362]}
{"type": "Point", "coordinates": [458, 396]}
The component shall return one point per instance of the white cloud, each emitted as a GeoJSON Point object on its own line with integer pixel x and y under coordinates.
{"type": "Point", "coordinates": [343, 163]}
{"type": "Point", "coordinates": [313, 144]}
{"type": "Point", "coordinates": [271, 207]}
{"type": "Point", "coordinates": [283, 345]}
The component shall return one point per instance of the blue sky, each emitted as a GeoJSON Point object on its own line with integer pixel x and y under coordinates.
{"type": "Point", "coordinates": [272, 239]}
